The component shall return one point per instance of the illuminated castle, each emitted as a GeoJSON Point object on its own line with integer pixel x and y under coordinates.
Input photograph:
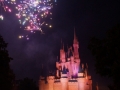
{"type": "Point", "coordinates": [70, 74]}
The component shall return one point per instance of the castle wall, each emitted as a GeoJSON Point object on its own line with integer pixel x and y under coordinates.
{"type": "Point", "coordinates": [82, 83]}
{"type": "Point", "coordinates": [57, 86]}
{"type": "Point", "coordinates": [64, 84]}
{"type": "Point", "coordinates": [50, 86]}
{"type": "Point", "coordinates": [50, 80]}
{"type": "Point", "coordinates": [73, 86]}
{"type": "Point", "coordinates": [46, 87]}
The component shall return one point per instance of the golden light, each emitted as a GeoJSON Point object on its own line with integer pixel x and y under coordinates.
{"type": "Point", "coordinates": [20, 36]}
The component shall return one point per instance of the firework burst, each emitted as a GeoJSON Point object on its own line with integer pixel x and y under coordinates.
{"type": "Point", "coordinates": [4, 6]}
{"type": "Point", "coordinates": [32, 14]}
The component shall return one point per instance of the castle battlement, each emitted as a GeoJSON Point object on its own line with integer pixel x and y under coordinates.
{"type": "Point", "coordinates": [70, 73]}
{"type": "Point", "coordinates": [72, 83]}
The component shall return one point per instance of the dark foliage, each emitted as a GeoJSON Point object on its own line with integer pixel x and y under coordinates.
{"type": "Point", "coordinates": [6, 74]}
{"type": "Point", "coordinates": [107, 55]}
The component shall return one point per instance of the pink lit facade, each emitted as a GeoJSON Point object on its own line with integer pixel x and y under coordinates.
{"type": "Point", "coordinates": [70, 73]}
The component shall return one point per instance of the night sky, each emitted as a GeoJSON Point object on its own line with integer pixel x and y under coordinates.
{"type": "Point", "coordinates": [89, 17]}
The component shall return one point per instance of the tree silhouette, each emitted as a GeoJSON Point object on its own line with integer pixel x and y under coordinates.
{"type": "Point", "coordinates": [6, 74]}
{"type": "Point", "coordinates": [107, 55]}
{"type": "Point", "coordinates": [27, 84]}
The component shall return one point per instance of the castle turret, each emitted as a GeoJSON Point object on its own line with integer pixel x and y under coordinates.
{"type": "Point", "coordinates": [41, 83]}
{"type": "Point", "coordinates": [64, 76]}
{"type": "Point", "coordinates": [69, 54]}
{"type": "Point", "coordinates": [62, 52]}
{"type": "Point", "coordinates": [50, 80]}
{"type": "Point", "coordinates": [57, 73]}
{"type": "Point", "coordinates": [57, 68]}
{"type": "Point", "coordinates": [42, 79]}
{"type": "Point", "coordinates": [64, 83]}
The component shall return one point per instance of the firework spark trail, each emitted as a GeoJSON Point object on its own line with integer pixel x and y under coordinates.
{"type": "Point", "coordinates": [4, 6]}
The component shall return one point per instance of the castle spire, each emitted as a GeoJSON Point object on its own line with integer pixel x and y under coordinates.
{"type": "Point", "coordinates": [75, 37]}
{"type": "Point", "coordinates": [75, 46]}
{"type": "Point", "coordinates": [63, 46]}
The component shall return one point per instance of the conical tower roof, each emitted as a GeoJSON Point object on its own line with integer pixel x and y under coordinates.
{"type": "Point", "coordinates": [75, 37]}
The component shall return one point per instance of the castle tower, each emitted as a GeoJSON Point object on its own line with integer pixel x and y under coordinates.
{"type": "Point", "coordinates": [75, 46]}
{"type": "Point", "coordinates": [58, 68]}
{"type": "Point", "coordinates": [64, 83]}
{"type": "Point", "coordinates": [41, 83]}
{"type": "Point", "coordinates": [42, 79]}
{"type": "Point", "coordinates": [62, 52]}
{"type": "Point", "coordinates": [64, 78]}
{"type": "Point", "coordinates": [80, 72]}
{"type": "Point", "coordinates": [50, 80]}
{"type": "Point", "coordinates": [81, 79]}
